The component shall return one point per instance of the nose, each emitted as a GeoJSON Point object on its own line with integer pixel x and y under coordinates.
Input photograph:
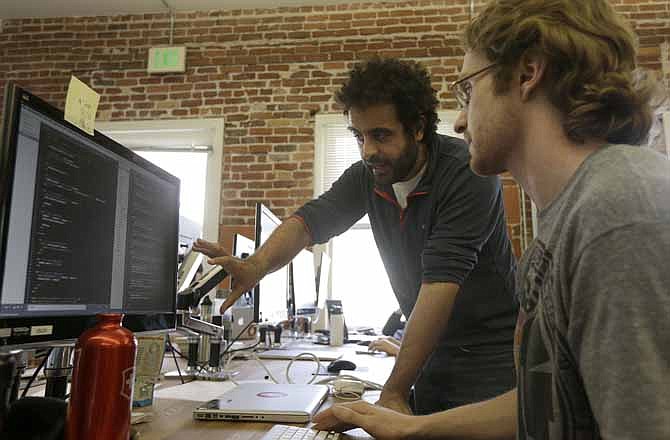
{"type": "Point", "coordinates": [461, 122]}
{"type": "Point", "coordinates": [368, 149]}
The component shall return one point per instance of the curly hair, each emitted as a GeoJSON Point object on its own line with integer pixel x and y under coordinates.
{"type": "Point", "coordinates": [591, 67]}
{"type": "Point", "coordinates": [405, 84]}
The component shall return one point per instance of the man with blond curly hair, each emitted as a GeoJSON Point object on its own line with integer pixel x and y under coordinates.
{"type": "Point", "coordinates": [550, 92]}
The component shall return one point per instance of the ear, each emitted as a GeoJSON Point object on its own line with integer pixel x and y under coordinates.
{"type": "Point", "coordinates": [532, 69]}
{"type": "Point", "coordinates": [418, 134]}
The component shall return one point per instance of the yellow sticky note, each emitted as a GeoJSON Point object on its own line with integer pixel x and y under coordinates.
{"type": "Point", "coordinates": [81, 105]}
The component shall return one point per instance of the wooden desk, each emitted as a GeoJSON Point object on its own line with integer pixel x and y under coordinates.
{"type": "Point", "coordinates": [173, 419]}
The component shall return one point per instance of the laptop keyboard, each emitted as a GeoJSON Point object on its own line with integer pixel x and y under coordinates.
{"type": "Point", "coordinates": [285, 432]}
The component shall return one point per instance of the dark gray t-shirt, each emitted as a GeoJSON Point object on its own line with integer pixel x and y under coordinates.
{"type": "Point", "coordinates": [595, 284]}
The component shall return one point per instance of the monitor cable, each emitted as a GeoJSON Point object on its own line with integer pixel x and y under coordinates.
{"type": "Point", "coordinates": [230, 344]}
{"type": "Point", "coordinates": [173, 350]}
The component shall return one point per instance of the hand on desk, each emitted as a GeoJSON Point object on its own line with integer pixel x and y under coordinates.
{"type": "Point", "coordinates": [388, 345]}
{"type": "Point", "coordinates": [245, 274]}
{"type": "Point", "coordinates": [381, 423]}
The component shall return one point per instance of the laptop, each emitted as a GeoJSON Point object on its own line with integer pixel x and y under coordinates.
{"type": "Point", "coordinates": [265, 402]}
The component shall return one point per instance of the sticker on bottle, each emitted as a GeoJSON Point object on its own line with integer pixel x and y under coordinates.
{"type": "Point", "coordinates": [127, 383]}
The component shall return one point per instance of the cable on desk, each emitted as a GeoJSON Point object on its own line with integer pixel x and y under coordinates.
{"type": "Point", "coordinates": [251, 351]}
{"type": "Point", "coordinates": [34, 376]}
{"type": "Point", "coordinates": [253, 355]}
{"type": "Point", "coordinates": [237, 350]}
{"type": "Point", "coordinates": [343, 387]}
{"type": "Point", "coordinates": [314, 357]}
{"type": "Point", "coordinates": [369, 385]}
{"type": "Point", "coordinates": [269, 373]}
{"type": "Point", "coordinates": [347, 387]}
{"type": "Point", "coordinates": [248, 347]}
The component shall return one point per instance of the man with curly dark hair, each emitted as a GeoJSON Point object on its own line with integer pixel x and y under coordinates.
{"type": "Point", "coordinates": [441, 233]}
{"type": "Point", "coordinates": [550, 92]}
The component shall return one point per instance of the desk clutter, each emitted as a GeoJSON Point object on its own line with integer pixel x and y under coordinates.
{"type": "Point", "coordinates": [240, 400]}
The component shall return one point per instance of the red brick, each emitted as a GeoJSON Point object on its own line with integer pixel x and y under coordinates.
{"type": "Point", "coordinates": [259, 149]}
{"type": "Point", "coordinates": [285, 166]}
{"type": "Point", "coordinates": [251, 67]}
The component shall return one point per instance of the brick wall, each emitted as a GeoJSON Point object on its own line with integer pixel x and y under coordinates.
{"type": "Point", "coordinates": [267, 72]}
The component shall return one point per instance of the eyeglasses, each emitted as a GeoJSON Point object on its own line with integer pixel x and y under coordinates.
{"type": "Point", "coordinates": [462, 88]}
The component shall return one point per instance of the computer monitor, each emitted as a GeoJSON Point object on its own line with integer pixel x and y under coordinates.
{"type": "Point", "coordinates": [189, 232]}
{"type": "Point", "coordinates": [242, 248]}
{"type": "Point", "coordinates": [324, 281]}
{"type": "Point", "coordinates": [320, 319]}
{"type": "Point", "coordinates": [86, 227]}
{"type": "Point", "coordinates": [188, 269]}
{"type": "Point", "coordinates": [304, 282]}
{"type": "Point", "coordinates": [271, 294]}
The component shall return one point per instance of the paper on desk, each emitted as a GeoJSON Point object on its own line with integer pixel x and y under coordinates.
{"type": "Point", "coordinates": [81, 105]}
{"type": "Point", "coordinates": [197, 391]}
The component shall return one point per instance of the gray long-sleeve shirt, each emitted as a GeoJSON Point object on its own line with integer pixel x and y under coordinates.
{"type": "Point", "coordinates": [453, 230]}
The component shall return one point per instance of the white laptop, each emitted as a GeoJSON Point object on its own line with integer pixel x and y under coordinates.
{"type": "Point", "coordinates": [265, 402]}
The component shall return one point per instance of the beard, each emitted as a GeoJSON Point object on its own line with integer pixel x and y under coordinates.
{"type": "Point", "coordinates": [387, 171]}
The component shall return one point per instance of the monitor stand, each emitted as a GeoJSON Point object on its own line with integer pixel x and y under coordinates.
{"type": "Point", "coordinates": [202, 337]}
{"type": "Point", "coordinates": [58, 370]}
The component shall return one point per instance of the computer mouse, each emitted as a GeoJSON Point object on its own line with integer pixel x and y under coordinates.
{"type": "Point", "coordinates": [340, 364]}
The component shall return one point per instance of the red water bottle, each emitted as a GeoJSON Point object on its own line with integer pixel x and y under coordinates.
{"type": "Point", "coordinates": [102, 382]}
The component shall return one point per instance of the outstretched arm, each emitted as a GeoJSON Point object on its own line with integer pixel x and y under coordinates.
{"type": "Point", "coordinates": [277, 251]}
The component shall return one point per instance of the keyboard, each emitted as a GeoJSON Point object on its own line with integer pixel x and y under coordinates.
{"type": "Point", "coordinates": [285, 432]}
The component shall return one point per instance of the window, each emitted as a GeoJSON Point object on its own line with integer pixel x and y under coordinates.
{"type": "Point", "coordinates": [189, 149]}
{"type": "Point", "coordinates": [191, 169]}
{"type": "Point", "coordinates": [358, 276]}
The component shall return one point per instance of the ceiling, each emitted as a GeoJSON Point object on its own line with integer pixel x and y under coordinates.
{"type": "Point", "coordinates": [71, 8]}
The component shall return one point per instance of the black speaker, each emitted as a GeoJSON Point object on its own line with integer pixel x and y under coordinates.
{"type": "Point", "coordinates": [36, 418]}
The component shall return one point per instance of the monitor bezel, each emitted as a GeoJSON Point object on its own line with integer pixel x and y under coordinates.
{"type": "Point", "coordinates": [65, 328]}
{"type": "Point", "coordinates": [261, 209]}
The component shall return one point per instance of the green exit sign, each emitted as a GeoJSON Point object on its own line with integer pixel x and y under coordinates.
{"type": "Point", "coordinates": [166, 59]}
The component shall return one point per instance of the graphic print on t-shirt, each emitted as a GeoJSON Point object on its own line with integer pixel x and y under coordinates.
{"type": "Point", "coordinates": [552, 401]}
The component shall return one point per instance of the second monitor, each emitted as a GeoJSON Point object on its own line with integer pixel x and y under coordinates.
{"type": "Point", "coordinates": [271, 294]}
{"type": "Point", "coordinates": [303, 284]}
